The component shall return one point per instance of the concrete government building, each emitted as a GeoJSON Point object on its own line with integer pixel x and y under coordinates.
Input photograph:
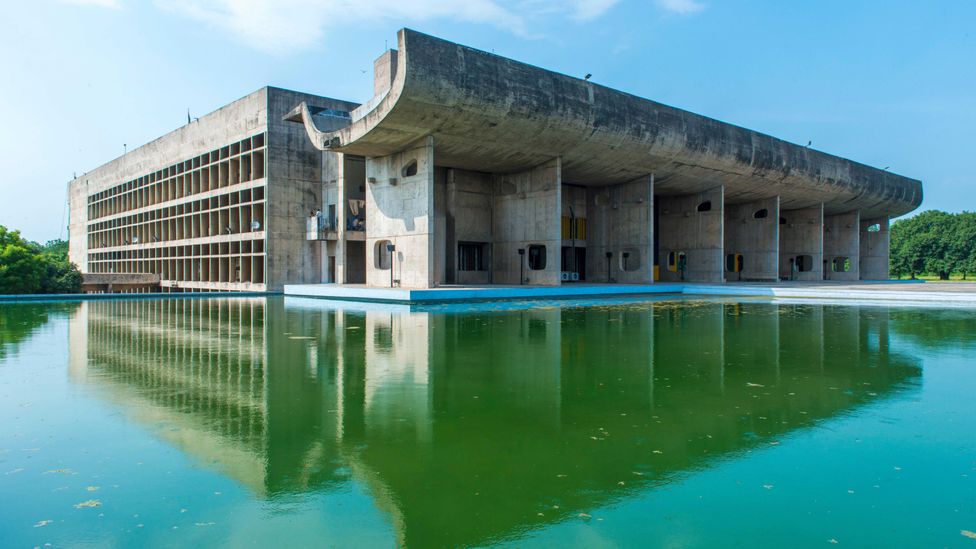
{"type": "Point", "coordinates": [467, 168]}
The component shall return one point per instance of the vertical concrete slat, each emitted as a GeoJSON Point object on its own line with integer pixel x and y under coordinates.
{"type": "Point", "coordinates": [699, 234]}
{"type": "Point", "coordinates": [757, 239]}
{"type": "Point", "coordinates": [841, 241]}
{"type": "Point", "coordinates": [875, 247]}
{"type": "Point", "coordinates": [527, 210]}
{"type": "Point", "coordinates": [801, 234]}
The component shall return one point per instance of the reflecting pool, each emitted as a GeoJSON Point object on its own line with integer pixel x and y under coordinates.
{"type": "Point", "coordinates": [635, 422]}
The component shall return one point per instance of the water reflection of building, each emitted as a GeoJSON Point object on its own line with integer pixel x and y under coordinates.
{"type": "Point", "coordinates": [466, 426]}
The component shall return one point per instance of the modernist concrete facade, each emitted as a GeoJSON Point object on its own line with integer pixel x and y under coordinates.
{"type": "Point", "coordinates": [217, 205]}
{"type": "Point", "coordinates": [467, 168]}
{"type": "Point", "coordinates": [481, 169]}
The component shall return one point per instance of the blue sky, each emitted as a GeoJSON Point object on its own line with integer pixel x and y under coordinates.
{"type": "Point", "coordinates": [885, 83]}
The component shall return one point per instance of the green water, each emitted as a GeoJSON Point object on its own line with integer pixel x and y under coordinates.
{"type": "Point", "coordinates": [632, 423]}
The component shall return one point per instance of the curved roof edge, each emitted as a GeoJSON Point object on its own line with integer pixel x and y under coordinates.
{"type": "Point", "coordinates": [490, 113]}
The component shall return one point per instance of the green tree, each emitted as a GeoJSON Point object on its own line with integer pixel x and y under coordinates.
{"type": "Point", "coordinates": [934, 242]}
{"type": "Point", "coordinates": [28, 268]}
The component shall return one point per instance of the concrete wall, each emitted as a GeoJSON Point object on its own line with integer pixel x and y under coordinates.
{"type": "Point", "coordinates": [526, 211]}
{"type": "Point", "coordinates": [801, 233]}
{"type": "Point", "coordinates": [399, 209]}
{"type": "Point", "coordinates": [468, 219]}
{"type": "Point", "coordinates": [875, 249]}
{"type": "Point", "coordinates": [620, 218]}
{"type": "Point", "coordinates": [757, 239]}
{"type": "Point", "coordinates": [681, 228]}
{"type": "Point", "coordinates": [244, 117]}
{"type": "Point", "coordinates": [295, 177]}
{"type": "Point", "coordinates": [841, 239]}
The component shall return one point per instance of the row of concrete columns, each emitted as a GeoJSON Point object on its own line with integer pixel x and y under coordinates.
{"type": "Point", "coordinates": [762, 241]}
{"type": "Point", "coordinates": [424, 212]}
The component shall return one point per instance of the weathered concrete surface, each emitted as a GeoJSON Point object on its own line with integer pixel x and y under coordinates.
{"type": "Point", "coordinates": [620, 219]}
{"type": "Point", "coordinates": [526, 212]}
{"type": "Point", "coordinates": [841, 241]}
{"type": "Point", "coordinates": [294, 190]}
{"type": "Point", "coordinates": [468, 219]}
{"type": "Point", "coordinates": [801, 234]}
{"type": "Point", "coordinates": [698, 234]}
{"type": "Point", "coordinates": [755, 236]}
{"type": "Point", "coordinates": [291, 181]}
{"type": "Point", "coordinates": [493, 114]}
{"type": "Point", "coordinates": [875, 248]}
{"type": "Point", "coordinates": [399, 210]}
{"type": "Point", "coordinates": [114, 282]}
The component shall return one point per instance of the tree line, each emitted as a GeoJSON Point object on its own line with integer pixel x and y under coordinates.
{"type": "Point", "coordinates": [934, 243]}
{"type": "Point", "coordinates": [27, 267]}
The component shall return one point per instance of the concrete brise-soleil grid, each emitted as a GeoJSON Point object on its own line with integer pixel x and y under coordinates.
{"type": "Point", "coordinates": [145, 225]}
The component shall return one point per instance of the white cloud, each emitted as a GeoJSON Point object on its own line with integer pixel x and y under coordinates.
{"type": "Point", "coordinates": [286, 26]}
{"type": "Point", "coordinates": [682, 7]}
{"type": "Point", "coordinates": [97, 3]}
{"type": "Point", "coordinates": [591, 9]}
{"type": "Point", "coordinates": [290, 25]}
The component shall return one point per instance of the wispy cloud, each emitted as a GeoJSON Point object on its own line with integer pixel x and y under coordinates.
{"type": "Point", "coordinates": [586, 10]}
{"type": "Point", "coordinates": [682, 7]}
{"type": "Point", "coordinates": [97, 3]}
{"type": "Point", "coordinates": [280, 26]}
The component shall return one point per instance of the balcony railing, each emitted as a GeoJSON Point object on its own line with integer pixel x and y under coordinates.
{"type": "Point", "coordinates": [320, 227]}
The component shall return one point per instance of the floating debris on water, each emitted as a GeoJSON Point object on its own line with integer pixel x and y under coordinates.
{"type": "Point", "coordinates": [59, 472]}
{"type": "Point", "coordinates": [92, 488]}
{"type": "Point", "coordinates": [92, 503]}
{"type": "Point", "coordinates": [750, 384]}
{"type": "Point", "coordinates": [42, 523]}
{"type": "Point", "coordinates": [969, 534]}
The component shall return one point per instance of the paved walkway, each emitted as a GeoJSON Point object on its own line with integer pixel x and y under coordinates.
{"type": "Point", "coordinates": [955, 294]}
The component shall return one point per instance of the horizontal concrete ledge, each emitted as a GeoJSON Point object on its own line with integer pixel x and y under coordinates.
{"type": "Point", "coordinates": [910, 293]}
{"type": "Point", "coordinates": [448, 294]}
{"type": "Point", "coordinates": [21, 298]}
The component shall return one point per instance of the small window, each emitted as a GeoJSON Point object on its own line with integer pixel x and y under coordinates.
{"type": "Point", "coordinates": [705, 206]}
{"type": "Point", "coordinates": [629, 260]}
{"type": "Point", "coordinates": [537, 257]}
{"type": "Point", "coordinates": [782, 221]}
{"type": "Point", "coordinates": [382, 255]}
{"type": "Point", "coordinates": [841, 264]}
{"type": "Point", "coordinates": [761, 214]}
{"type": "Point", "coordinates": [672, 262]}
{"type": "Point", "coordinates": [471, 256]}
{"type": "Point", "coordinates": [804, 263]}
{"type": "Point", "coordinates": [876, 228]}
{"type": "Point", "coordinates": [410, 169]}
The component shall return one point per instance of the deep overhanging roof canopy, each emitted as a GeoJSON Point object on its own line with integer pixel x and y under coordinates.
{"type": "Point", "coordinates": [493, 114]}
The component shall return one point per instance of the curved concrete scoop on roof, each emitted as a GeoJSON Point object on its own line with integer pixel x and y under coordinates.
{"type": "Point", "coordinates": [488, 113]}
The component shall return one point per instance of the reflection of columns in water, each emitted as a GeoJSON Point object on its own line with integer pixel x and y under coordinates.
{"type": "Point", "coordinates": [751, 340]}
{"type": "Point", "coordinates": [396, 381]}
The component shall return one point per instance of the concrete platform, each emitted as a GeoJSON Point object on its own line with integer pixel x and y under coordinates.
{"type": "Point", "coordinates": [950, 294]}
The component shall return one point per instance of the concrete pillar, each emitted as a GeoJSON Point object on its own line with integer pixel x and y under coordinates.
{"type": "Point", "coordinates": [399, 211]}
{"type": "Point", "coordinates": [801, 244]}
{"type": "Point", "coordinates": [468, 205]}
{"type": "Point", "coordinates": [875, 249]}
{"type": "Point", "coordinates": [841, 246]}
{"type": "Point", "coordinates": [692, 224]}
{"type": "Point", "coordinates": [620, 219]}
{"type": "Point", "coordinates": [526, 213]}
{"type": "Point", "coordinates": [752, 230]}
